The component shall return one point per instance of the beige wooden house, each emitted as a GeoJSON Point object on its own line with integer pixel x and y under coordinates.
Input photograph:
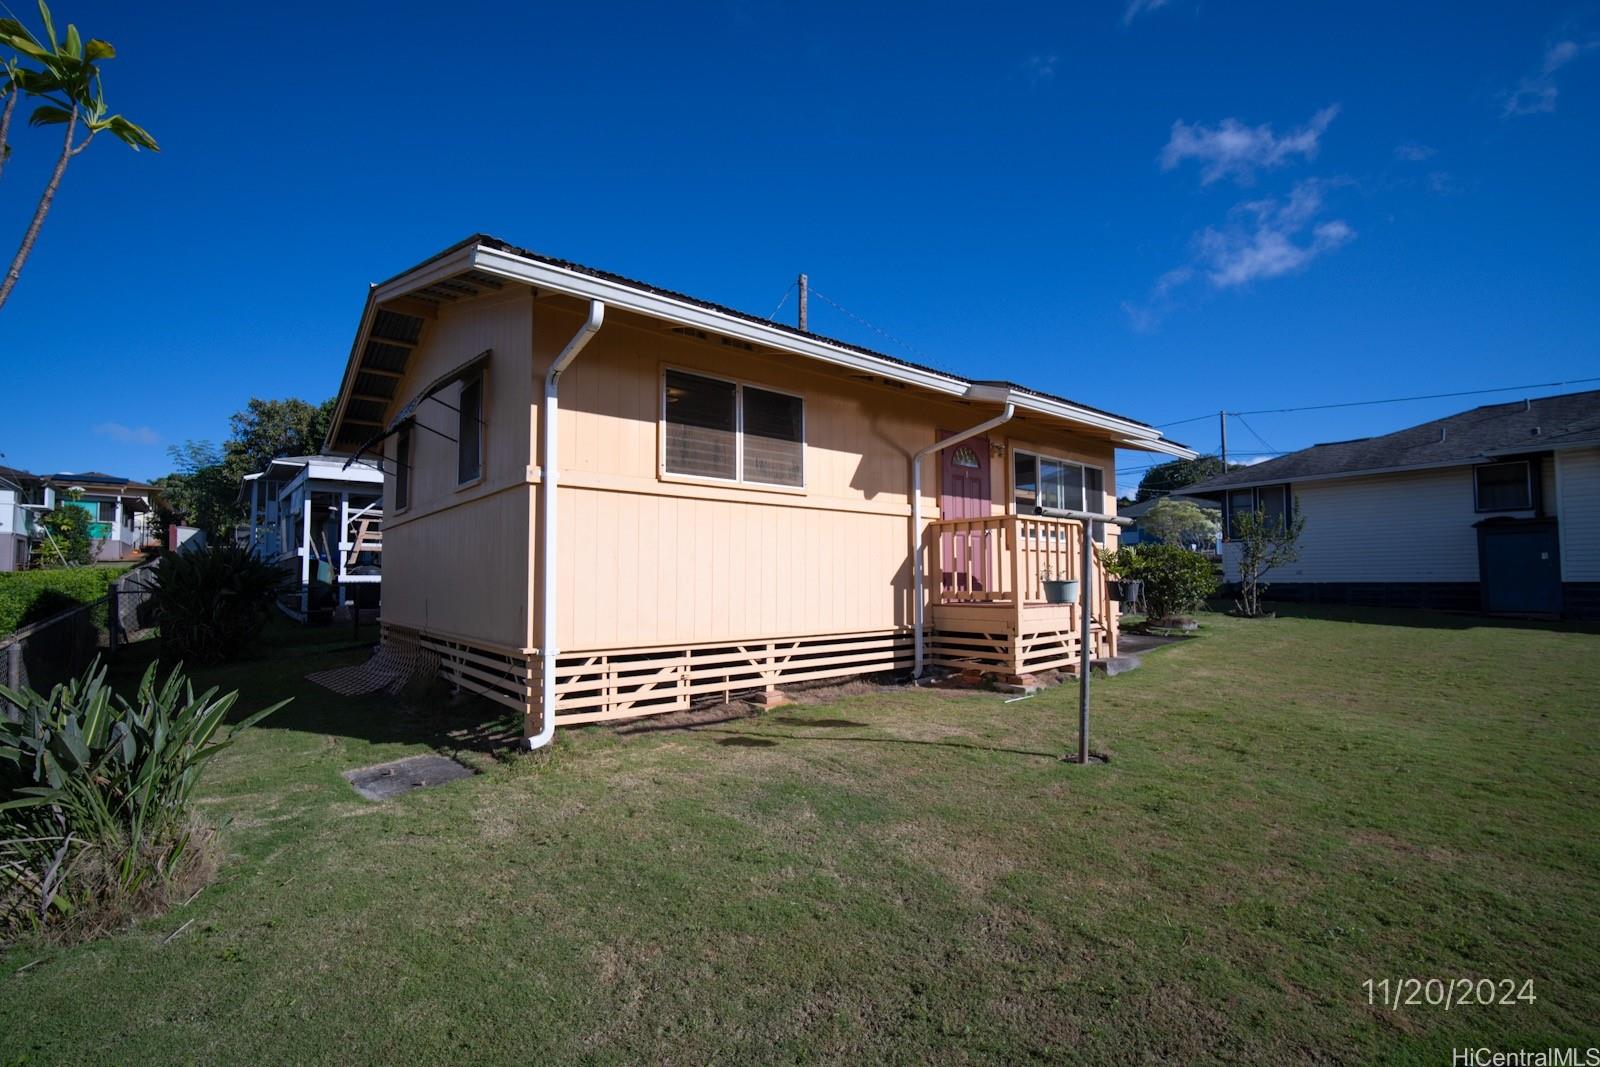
{"type": "Point", "coordinates": [604, 500]}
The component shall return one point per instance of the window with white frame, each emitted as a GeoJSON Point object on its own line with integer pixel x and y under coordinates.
{"type": "Point", "coordinates": [1503, 486]}
{"type": "Point", "coordinates": [716, 428]}
{"type": "Point", "coordinates": [1044, 481]}
{"type": "Point", "coordinates": [469, 431]}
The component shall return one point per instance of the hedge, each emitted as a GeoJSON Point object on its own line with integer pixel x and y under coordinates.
{"type": "Point", "coordinates": [28, 596]}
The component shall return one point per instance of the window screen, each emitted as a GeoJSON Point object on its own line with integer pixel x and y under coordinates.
{"type": "Point", "coordinates": [402, 468]}
{"type": "Point", "coordinates": [1094, 490]}
{"type": "Point", "coordinates": [1239, 502]}
{"type": "Point", "coordinates": [774, 447]}
{"type": "Point", "coordinates": [701, 426]}
{"type": "Point", "coordinates": [469, 438]}
{"type": "Point", "coordinates": [1273, 504]}
{"type": "Point", "coordinates": [1026, 477]}
{"type": "Point", "coordinates": [1504, 486]}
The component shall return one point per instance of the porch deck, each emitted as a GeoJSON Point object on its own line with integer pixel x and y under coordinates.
{"type": "Point", "coordinates": [989, 612]}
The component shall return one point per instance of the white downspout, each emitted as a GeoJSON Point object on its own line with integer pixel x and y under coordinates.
{"type": "Point", "coordinates": [548, 419]}
{"type": "Point", "coordinates": [917, 598]}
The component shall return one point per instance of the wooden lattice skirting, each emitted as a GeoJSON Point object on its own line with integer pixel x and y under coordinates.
{"type": "Point", "coordinates": [1006, 653]}
{"type": "Point", "coordinates": [601, 685]}
{"type": "Point", "coordinates": [595, 686]}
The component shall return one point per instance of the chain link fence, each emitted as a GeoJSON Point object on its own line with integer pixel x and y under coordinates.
{"type": "Point", "coordinates": [45, 653]}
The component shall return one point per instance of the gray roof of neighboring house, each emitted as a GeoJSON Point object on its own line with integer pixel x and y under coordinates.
{"type": "Point", "coordinates": [96, 477]}
{"type": "Point", "coordinates": [16, 476]}
{"type": "Point", "coordinates": [1535, 425]}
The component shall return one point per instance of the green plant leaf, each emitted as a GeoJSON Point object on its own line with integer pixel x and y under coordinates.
{"type": "Point", "coordinates": [49, 115]}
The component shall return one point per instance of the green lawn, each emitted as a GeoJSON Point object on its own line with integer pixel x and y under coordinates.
{"type": "Point", "coordinates": [1293, 807]}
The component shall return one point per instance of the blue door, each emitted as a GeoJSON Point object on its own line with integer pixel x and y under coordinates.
{"type": "Point", "coordinates": [1519, 566]}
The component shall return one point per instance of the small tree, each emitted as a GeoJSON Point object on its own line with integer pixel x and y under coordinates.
{"type": "Point", "coordinates": [67, 542]}
{"type": "Point", "coordinates": [1181, 522]}
{"type": "Point", "coordinates": [1265, 541]}
{"type": "Point", "coordinates": [65, 79]}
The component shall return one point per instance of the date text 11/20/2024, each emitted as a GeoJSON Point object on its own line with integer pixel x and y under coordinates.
{"type": "Point", "coordinates": [1447, 993]}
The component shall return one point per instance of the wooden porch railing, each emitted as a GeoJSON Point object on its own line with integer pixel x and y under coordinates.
{"type": "Point", "coordinates": [1007, 558]}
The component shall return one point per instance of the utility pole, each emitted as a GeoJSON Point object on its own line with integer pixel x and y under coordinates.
{"type": "Point", "coordinates": [805, 285]}
{"type": "Point", "coordinates": [1222, 416]}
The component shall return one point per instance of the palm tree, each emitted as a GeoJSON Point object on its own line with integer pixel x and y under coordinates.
{"type": "Point", "coordinates": [67, 84]}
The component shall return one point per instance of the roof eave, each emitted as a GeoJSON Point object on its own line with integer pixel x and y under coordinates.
{"type": "Point", "coordinates": [554, 278]}
{"type": "Point", "coordinates": [548, 277]}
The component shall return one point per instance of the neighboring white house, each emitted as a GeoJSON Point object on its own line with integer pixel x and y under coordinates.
{"type": "Point", "coordinates": [119, 511]}
{"type": "Point", "coordinates": [321, 521]}
{"type": "Point", "coordinates": [18, 489]}
{"type": "Point", "coordinates": [1495, 509]}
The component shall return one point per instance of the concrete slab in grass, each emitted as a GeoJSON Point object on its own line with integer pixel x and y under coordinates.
{"type": "Point", "coordinates": [415, 772]}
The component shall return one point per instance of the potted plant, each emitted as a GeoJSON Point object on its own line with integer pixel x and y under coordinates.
{"type": "Point", "coordinates": [1121, 566]}
{"type": "Point", "coordinates": [1059, 590]}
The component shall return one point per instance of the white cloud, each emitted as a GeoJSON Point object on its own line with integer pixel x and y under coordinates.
{"type": "Point", "coordinates": [1536, 94]}
{"type": "Point", "coordinates": [1041, 68]}
{"type": "Point", "coordinates": [1135, 8]}
{"type": "Point", "coordinates": [1262, 239]}
{"type": "Point", "coordinates": [1232, 149]}
{"type": "Point", "coordinates": [1412, 152]}
{"type": "Point", "coordinates": [1269, 238]}
{"type": "Point", "coordinates": [128, 435]}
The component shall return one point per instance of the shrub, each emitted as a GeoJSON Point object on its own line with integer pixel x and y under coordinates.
{"type": "Point", "coordinates": [1175, 579]}
{"type": "Point", "coordinates": [96, 796]}
{"type": "Point", "coordinates": [211, 602]}
{"type": "Point", "coordinates": [28, 596]}
{"type": "Point", "coordinates": [68, 527]}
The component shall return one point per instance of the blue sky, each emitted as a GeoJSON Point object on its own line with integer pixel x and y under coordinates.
{"type": "Point", "coordinates": [1160, 208]}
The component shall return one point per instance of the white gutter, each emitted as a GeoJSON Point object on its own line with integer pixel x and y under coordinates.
{"type": "Point", "coordinates": [917, 606]}
{"type": "Point", "coordinates": [548, 425]}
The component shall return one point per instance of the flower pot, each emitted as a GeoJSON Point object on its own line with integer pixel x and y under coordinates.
{"type": "Point", "coordinates": [1061, 592]}
{"type": "Point", "coordinates": [1125, 590]}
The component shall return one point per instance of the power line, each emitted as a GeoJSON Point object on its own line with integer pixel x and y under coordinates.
{"type": "Point", "coordinates": [1264, 442]}
{"type": "Point", "coordinates": [782, 302]}
{"type": "Point", "coordinates": [902, 342]}
{"type": "Point", "coordinates": [1389, 400]}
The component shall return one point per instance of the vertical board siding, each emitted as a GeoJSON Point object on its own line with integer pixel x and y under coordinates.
{"type": "Point", "coordinates": [460, 571]}
{"type": "Point", "coordinates": [740, 570]}
{"type": "Point", "coordinates": [1580, 514]}
{"type": "Point", "coordinates": [457, 558]}
{"type": "Point", "coordinates": [653, 562]}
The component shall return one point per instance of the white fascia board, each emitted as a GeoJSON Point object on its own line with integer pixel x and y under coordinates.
{"type": "Point", "coordinates": [549, 278]}
{"type": "Point", "coordinates": [1166, 448]}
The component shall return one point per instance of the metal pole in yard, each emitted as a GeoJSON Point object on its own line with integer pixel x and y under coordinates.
{"type": "Point", "coordinates": [1085, 611]}
{"type": "Point", "coordinates": [1085, 654]}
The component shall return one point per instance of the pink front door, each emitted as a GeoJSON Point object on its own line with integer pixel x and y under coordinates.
{"type": "Point", "coordinates": [964, 494]}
